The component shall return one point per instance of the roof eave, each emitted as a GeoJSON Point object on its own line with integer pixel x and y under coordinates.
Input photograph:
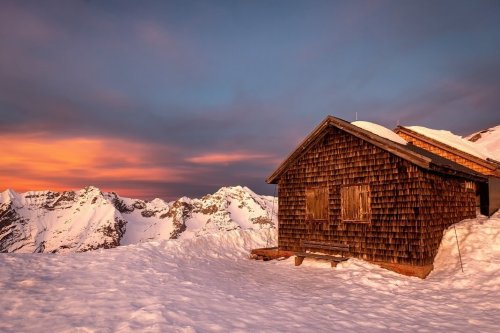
{"type": "Point", "coordinates": [474, 176]}
{"type": "Point", "coordinates": [487, 163]}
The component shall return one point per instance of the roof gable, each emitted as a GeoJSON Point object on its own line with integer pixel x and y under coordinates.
{"type": "Point", "coordinates": [422, 159]}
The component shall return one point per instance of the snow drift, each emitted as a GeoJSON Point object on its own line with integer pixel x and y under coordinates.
{"type": "Point", "coordinates": [207, 284]}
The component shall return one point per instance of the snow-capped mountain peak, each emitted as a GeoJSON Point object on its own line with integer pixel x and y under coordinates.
{"type": "Point", "coordinates": [10, 196]}
{"type": "Point", "coordinates": [86, 219]}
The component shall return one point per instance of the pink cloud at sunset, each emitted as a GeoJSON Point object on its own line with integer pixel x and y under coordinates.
{"type": "Point", "coordinates": [227, 158]}
{"type": "Point", "coordinates": [39, 163]}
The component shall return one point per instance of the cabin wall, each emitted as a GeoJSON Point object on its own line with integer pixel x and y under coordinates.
{"type": "Point", "coordinates": [443, 201]}
{"type": "Point", "coordinates": [410, 207]}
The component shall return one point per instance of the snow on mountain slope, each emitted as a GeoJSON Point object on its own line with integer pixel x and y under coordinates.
{"type": "Point", "coordinates": [207, 284]}
{"type": "Point", "coordinates": [88, 219]}
{"type": "Point", "coordinates": [488, 139]}
{"type": "Point", "coordinates": [48, 221]}
{"type": "Point", "coordinates": [229, 208]}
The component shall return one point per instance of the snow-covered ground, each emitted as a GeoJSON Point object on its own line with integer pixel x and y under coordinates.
{"type": "Point", "coordinates": [207, 284]}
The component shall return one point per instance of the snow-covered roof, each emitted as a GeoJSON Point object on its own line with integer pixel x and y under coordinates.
{"type": "Point", "coordinates": [453, 140]}
{"type": "Point", "coordinates": [380, 131]}
{"type": "Point", "coordinates": [488, 139]}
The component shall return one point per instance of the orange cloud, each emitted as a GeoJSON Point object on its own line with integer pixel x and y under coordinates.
{"type": "Point", "coordinates": [226, 158]}
{"type": "Point", "coordinates": [33, 162]}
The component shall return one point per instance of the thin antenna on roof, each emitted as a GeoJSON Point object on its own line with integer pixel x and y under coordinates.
{"type": "Point", "coordinates": [356, 116]}
{"type": "Point", "coordinates": [397, 123]}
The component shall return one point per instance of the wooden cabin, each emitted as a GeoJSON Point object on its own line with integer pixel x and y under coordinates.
{"type": "Point", "coordinates": [487, 193]}
{"type": "Point", "coordinates": [349, 189]}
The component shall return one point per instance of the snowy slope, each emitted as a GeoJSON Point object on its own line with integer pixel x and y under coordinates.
{"type": "Point", "coordinates": [77, 221]}
{"type": "Point", "coordinates": [489, 139]}
{"type": "Point", "coordinates": [207, 284]}
{"type": "Point", "coordinates": [479, 242]}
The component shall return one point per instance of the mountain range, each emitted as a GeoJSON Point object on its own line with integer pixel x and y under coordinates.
{"type": "Point", "coordinates": [89, 219]}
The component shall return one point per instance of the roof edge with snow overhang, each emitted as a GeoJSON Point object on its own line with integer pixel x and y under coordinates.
{"type": "Point", "coordinates": [488, 162]}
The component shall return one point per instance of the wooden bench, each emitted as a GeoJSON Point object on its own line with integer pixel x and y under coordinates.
{"type": "Point", "coordinates": [334, 259]}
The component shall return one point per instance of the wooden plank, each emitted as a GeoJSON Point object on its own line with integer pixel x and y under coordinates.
{"type": "Point", "coordinates": [320, 256]}
{"type": "Point", "coordinates": [365, 203]}
{"type": "Point", "coordinates": [269, 253]}
{"type": "Point", "coordinates": [355, 203]}
{"type": "Point", "coordinates": [324, 246]}
{"type": "Point", "coordinates": [299, 260]}
{"type": "Point", "coordinates": [317, 203]}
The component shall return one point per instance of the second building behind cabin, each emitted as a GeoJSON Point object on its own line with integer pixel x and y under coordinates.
{"type": "Point", "coordinates": [463, 152]}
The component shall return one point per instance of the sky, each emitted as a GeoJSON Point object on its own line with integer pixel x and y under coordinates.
{"type": "Point", "coordinates": [179, 98]}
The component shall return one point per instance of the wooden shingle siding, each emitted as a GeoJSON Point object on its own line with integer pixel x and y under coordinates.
{"type": "Point", "coordinates": [409, 206]}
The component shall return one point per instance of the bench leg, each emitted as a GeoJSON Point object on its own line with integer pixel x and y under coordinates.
{"type": "Point", "coordinates": [298, 260]}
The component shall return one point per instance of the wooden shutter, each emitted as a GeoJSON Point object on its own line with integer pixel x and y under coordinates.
{"type": "Point", "coordinates": [317, 203]}
{"type": "Point", "coordinates": [355, 203]}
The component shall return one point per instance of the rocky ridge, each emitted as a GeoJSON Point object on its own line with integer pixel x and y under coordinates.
{"type": "Point", "coordinates": [89, 219]}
